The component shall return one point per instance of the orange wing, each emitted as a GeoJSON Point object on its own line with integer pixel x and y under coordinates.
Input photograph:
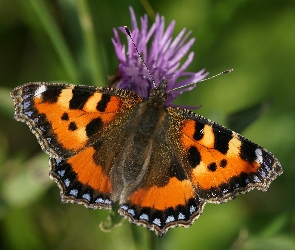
{"type": "Point", "coordinates": [70, 123]}
{"type": "Point", "coordinates": [82, 180]}
{"type": "Point", "coordinates": [66, 117]}
{"type": "Point", "coordinates": [193, 161]}
{"type": "Point", "coordinates": [222, 162]}
{"type": "Point", "coordinates": [163, 165]}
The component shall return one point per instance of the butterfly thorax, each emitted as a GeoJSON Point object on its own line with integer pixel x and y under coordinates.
{"type": "Point", "coordinates": [146, 133]}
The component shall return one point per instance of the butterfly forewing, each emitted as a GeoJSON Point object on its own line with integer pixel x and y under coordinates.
{"type": "Point", "coordinates": [224, 163]}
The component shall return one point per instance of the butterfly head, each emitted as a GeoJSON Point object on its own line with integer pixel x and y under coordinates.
{"type": "Point", "coordinates": [159, 93]}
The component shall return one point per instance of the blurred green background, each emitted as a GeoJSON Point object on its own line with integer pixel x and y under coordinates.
{"type": "Point", "coordinates": [70, 41]}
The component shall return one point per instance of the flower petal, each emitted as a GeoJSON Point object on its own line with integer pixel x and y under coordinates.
{"type": "Point", "coordinates": [162, 58]}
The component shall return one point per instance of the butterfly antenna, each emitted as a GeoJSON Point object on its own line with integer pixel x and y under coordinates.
{"type": "Point", "coordinates": [129, 34]}
{"type": "Point", "coordinates": [203, 80]}
{"type": "Point", "coordinates": [221, 73]}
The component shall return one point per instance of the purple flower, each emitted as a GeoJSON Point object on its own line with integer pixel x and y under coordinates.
{"type": "Point", "coordinates": [162, 58]}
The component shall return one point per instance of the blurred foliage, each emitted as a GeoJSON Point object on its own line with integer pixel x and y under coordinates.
{"type": "Point", "coordinates": [240, 120]}
{"type": "Point", "coordinates": [70, 41]}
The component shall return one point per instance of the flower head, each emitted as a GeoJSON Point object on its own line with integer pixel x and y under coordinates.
{"type": "Point", "coordinates": [162, 58]}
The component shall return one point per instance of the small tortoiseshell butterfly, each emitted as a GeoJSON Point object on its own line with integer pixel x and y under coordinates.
{"type": "Point", "coordinates": [162, 164]}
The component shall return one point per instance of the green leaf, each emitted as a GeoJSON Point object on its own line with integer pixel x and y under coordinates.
{"type": "Point", "coordinates": [56, 37]}
{"type": "Point", "coordinates": [240, 120]}
{"type": "Point", "coordinates": [91, 45]}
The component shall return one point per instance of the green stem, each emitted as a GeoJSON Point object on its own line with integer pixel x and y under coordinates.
{"type": "Point", "coordinates": [92, 52]}
{"type": "Point", "coordinates": [56, 38]}
{"type": "Point", "coordinates": [148, 9]}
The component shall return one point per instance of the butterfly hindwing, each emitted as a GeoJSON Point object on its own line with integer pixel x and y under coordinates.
{"type": "Point", "coordinates": [162, 196]}
{"type": "Point", "coordinates": [82, 180]}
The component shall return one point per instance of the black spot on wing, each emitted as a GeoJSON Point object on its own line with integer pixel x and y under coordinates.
{"type": "Point", "coordinates": [80, 97]}
{"type": "Point", "coordinates": [93, 127]}
{"type": "Point", "coordinates": [222, 138]}
{"type": "Point", "coordinates": [51, 94]}
{"type": "Point", "coordinates": [223, 163]}
{"type": "Point", "coordinates": [72, 126]}
{"type": "Point", "coordinates": [194, 156]}
{"type": "Point", "coordinates": [102, 104]}
{"type": "Point", "coordinates": [212, 167]}
{"type": "Point", "coordinates": [247, 151]}
{"type": "Point", "coordinates": [199, 131]}
{"type": "Point", "coordinates": [65, 116]}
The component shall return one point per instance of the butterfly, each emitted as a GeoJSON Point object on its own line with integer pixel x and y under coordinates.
{"type": "Point", "coordinates": [161, 164]}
